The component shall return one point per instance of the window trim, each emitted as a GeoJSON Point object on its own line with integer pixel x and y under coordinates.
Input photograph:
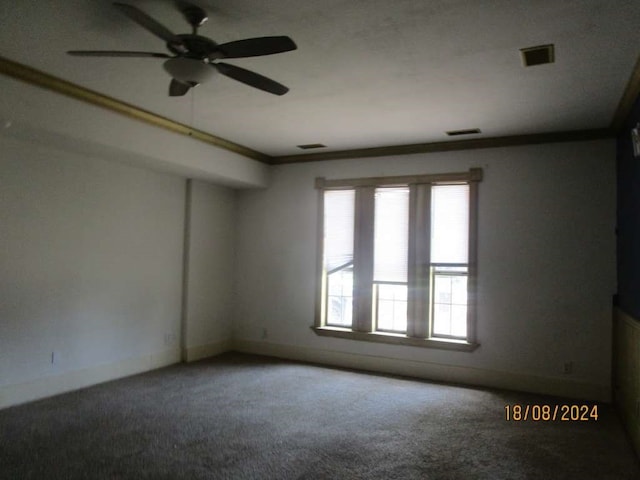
{"type": "Point", "coordinates": [418, 332]}
{"type": "Point", "coordinates": [396, 339]}
{"type": "Point", "coordinates": [473, 175]}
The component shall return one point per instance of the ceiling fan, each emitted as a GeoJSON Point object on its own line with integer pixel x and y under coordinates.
{"type": "Point", "coordinates": [194, 58]}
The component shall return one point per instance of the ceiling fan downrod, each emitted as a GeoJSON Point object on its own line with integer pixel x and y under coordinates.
{"type": "Point", "coordinates": [196, 17]}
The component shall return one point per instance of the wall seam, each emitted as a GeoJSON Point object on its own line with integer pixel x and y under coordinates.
{"type": "Point", "coordinates": [186, 256]}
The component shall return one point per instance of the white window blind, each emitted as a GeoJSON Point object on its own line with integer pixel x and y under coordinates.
{"type": "Point", "coordinates": [339, 210]}
{"type": "Point", "coordinates": [449, 223]}
{"type": "Point", "coordinates": [391, 234]}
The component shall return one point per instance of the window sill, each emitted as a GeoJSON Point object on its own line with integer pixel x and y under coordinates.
{"type": "Point", "coordinates": [396, 339]}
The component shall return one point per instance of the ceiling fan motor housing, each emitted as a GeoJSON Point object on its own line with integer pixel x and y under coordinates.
{"type": "Point", "coordinates": [191, 71]}
{"type": "Point", "coordinates": [194, 46]}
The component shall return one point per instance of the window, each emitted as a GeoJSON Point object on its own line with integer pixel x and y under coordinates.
{"type": "Point", "coordinates": [338, 256]}
{"type": "Point", "coordinates": [397, 259]}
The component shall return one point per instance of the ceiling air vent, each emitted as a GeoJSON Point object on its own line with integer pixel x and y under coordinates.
{"type": "Point", "coordinates": [310, 146]}
{"type": "Point", "coordinates": [537, 55]}
{"type": "Point", "coordinates": [469, 131]}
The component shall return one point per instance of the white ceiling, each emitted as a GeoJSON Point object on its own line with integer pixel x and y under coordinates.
{"type": "Point", "coordinates": [366, 73]}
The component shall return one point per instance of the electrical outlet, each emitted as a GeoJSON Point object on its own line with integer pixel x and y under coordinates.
{"type": "Point", "coordinates": [568, 368]}
{"type": "Point", "coordinates": [54, 357]}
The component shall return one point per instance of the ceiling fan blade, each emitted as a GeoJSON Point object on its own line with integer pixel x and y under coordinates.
{"type": "Point", "coordinates": [255, 47]}
{"type": "Point", "coordinates": [115, 53]}
{"type": "Point", "coordinates": [178, 89]}
{"type": "Point", "coordinates": [251, 78]}
{"type": "Point", "coordinates": [147, 22]}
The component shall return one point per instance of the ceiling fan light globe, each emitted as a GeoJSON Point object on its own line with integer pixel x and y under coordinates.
{"type": "Point", "coordinates": [189, 70]}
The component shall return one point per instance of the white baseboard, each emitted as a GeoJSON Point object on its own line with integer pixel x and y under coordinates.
{"type": "Point", "coordinates": [52, 385]}
{"type": "Point", "coordinates": [209, 350]}
{"type": "Point", "coordinates": [48, 386]}
{"type": "Point", "coordinates": [432, 371]}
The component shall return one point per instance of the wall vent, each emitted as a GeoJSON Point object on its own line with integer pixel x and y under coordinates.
{"type": "Point", "coordinates": [469, 131]}
{"type": "Point", "coordinates": [537, 55]}
{"type": "Point", "coordinates": [310, 146]}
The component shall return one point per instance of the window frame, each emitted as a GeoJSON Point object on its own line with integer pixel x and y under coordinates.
{"type": "Point", "coordinates": [419, 322]}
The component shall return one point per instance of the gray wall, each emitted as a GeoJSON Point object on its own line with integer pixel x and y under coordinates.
{"type": "Point", "coordinates": [91, 270]}
{"type": "Point", "coordinates": [546, 268]}
{"type": "Point", "coordinates": [91, 261]}
{"type": "Point", "coordinates": [211, 260]}
{"type": "Point", "coordinates": [40, 116]}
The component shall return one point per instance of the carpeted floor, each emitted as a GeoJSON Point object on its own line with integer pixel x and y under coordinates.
{"type": "Point", "coordinates": [247, 417]}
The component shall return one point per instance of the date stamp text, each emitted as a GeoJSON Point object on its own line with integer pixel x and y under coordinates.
{"type": "Point", "coordinates": [551, 413]}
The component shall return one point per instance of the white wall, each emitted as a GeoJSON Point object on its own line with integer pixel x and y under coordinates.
{"type": "Point", "coordinates": [90, 269]}
{"type": "Point", "coordinates": [37, 115]}
{"type": "Point", "coordinates": [209, 288]}
{"type": "Point", "coordinates": [546, 268]}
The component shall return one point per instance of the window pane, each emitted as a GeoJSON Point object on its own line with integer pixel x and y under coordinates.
{"type": "Point", "coordinates": [450, 305]}
{"type": "Point", "coordinates": [449, 223]}
{"type": "Point", "coordinates": [459, 320]}
{"type": "Point", "coordinates": [338, 228]}
{"type": "Point", "coordinates": [392, 307]}
{"type": "Point", "coordinates": [339, 207]}
{"type": "Point", "coordinates": [391, 234]}
{"type": "Point", "coordinates": [340, 298]}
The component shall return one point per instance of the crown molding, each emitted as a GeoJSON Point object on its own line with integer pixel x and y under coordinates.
{"type": "Point", "coordinates": [476, 143]}
{"type": "Point", "coordinates": [58, 85]}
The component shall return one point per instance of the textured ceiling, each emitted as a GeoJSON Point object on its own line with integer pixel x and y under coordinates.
{"type": "Point", "coordinates": [366, 73]}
